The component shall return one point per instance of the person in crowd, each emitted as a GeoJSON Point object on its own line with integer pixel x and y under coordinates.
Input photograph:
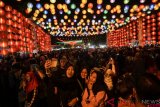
{"type": "Point", "coordinates": [95, 92]}
{"type": "Point", "coordinates": [147, 91]}
{"type": "Point", "coordinates": [52, 91]}
{"type": "Point", "coordinates": [82, 82]}
{"type": "Point", "coordinates": [110, 78]}
{"type": "Point", "coordinates": [68, 88]}
{"type": "Point", "coordinates": [31, 89]}
{"type": "Point", "coordinates": [124, 90]}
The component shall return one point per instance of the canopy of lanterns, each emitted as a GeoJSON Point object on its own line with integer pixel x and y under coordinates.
{"type": "Point", "coordinates": [84, 17]}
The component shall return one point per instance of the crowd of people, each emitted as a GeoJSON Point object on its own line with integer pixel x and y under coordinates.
{"type": "Point", "coordinates": [111, 77]}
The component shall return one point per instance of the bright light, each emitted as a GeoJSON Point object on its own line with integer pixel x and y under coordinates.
{"type": "Point", "coordinates": [68, 1]}
{"type": "Point", "coordinates": [112, 1]}
{"type": "Point", "coordinates": [30, 5]}
{"type": "Point", "coordinates": [142, 1]}
{"type": "Point", "coordinates": [45, 12]}
{"type": "Point", "coordinates": [73, 6]}
{"type": "Point", "coordinates": [52, 1]}
{"type": "Point", "coordinates": [38, 5]}
{"type": "Point", "coordinates": [126, 1]}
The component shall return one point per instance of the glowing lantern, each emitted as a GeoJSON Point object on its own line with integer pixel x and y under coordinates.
{"type": "Point", "coordinates": [112, 1]}
{"type": "Point", "coordinates": [14, 12]}
{"type": "Point", "coordinates": [98, 11]}
{"type": "Point", "coordinates": [46, 6]}
{"type": "Point", "coordinates": [59, 6]}
{"type": "Point", "coordinates": [2, 4]}
{"type": "Point", "coordinates": [84, 12]}
{"type": "Point", "coordinates": [90, 5]}
{"type": "Point", "coordinates": [3, 44]}
{"type": "Point", "coordinates": [154, 1]}
{"type": "Point", "coordinates": [99, 1]}
{"type": "Point", "coordinates": [108, 7]}
{"type": "Point", "coordinates": [84, 16]}
{"type": "Point", "coordinates": [30, 5]}
{"type": "Point", "coordinates": [142, 1]}
{"type": "Point", "coordinates": [2, 20]}
{"type": "Point", "coordinates": [126, 1]}
{"type": "Point", "coordinates": [4, 52]}
{"type": "Point", "coordinates": [75, 17]}
{"type": "Point", "coordinates": [64, 6]}
{"type": "Point", "coordinates": [52, 1]}
{"type": "Point", "coordinates": [68, 1]}
{"type": "Point", "coordinates": [2, 27]}
{"type": "Point", "coordinates": [65, 17]}
{"type": "Point", "coordinates": [156, 7]}
{"type": "Point", "coordinates": [73, 6]}
{"type": "Point", "coordinates": [84, 1]}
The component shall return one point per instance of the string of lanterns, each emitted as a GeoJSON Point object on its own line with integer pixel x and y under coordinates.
{"type": "Point", "coordinates": [83, 19]}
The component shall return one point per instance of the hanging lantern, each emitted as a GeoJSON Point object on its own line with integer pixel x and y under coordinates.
{"type": "Point", "coordinates": [4, 52]}
{"type": "Point", "coordinates": [8, 8]}
{"type": "Point", "coordinates": [9, 15]}
{"type": "Point", "coordinates": [14, 12]}
{"type": "Point", "coordinates": [3, 44]}
{"type": "Point", "coordinates": [10, 36]}
{"type": "Point", "coordinates": [2, 20]}
{"type": "Point", "coordinates": [2, 4]}
{"type": "Point", "coordinates": [2, 27]}
{"type": "Point", "coordinates": [2, 12]}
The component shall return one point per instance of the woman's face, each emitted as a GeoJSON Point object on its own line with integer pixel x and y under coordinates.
{"type": "Point", "coordinates": [70, 72]}
{"type": "Point", "coordinates": [108, 72]}
{"type": "Point", "coordinates": [84, 73]}
{"type": "Point", "coordinates": [28, 78]}
{"type": "Point", "coordinates": [93, 77]}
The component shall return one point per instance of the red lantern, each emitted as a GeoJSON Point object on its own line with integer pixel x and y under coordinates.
{"type": "Point", "coordinates": [153, 33]}
{"type": "Point", "coordinates": [153, 29]}
{"type": "Point", "coordinates": [19, 14]}
{"type": "Point", "coordinates": [12, 49]}
{"type": "Point", "coordinates": [153, 38]}
{"type": "Point", "coordinates": [2, 4]}
{"type": "Point", "coordinates": [11, 43]}
{"type": "Point", "coordinates": [4, 52]}
{"type": "Point", "coordinates": [90, 5]}
{"type": "Point", "coordinates": [1, 12]}
{"type": "Point", "coordinates": [153, 20]}
{"type": "Point", "coordinates": [2, 20]}
{"type": "Point", "coordinates": [3, 44]}
{"type": "Point", "coordinates": [148, 21]}
{"type": "Point", "coordinates": [10, 36]}
{"type": "Point", "coordinates": [14, 11]}
{"type": "Point", "coordinates": [149, 38]}
{"type": "Point", "coordinates": [144, 35]}
{"type": "Point", "coordinates": [8, 8]}
{"type": "Point", "coordinates": [15, 18]}
{"type": "Point", "coordinates": [153, 24]}
{"type": "Point", "coordinates": [9, 15]}
{"type": "Point", "coordinates": [153, 16]}
{"type": "Point", "coordinates": [17, 43]}
{"type": "Point", "coordinates": [9, 29]}
{"type": "Point", "coordinates": [9, 22]}
{"type": "Point", "coordinates": [2, 27]}
{"type": "Point", "coordinates": [19, 20]}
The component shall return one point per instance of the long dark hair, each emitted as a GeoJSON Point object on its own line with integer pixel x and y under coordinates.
{"type": "Point", "coordinates": [99, 85]}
